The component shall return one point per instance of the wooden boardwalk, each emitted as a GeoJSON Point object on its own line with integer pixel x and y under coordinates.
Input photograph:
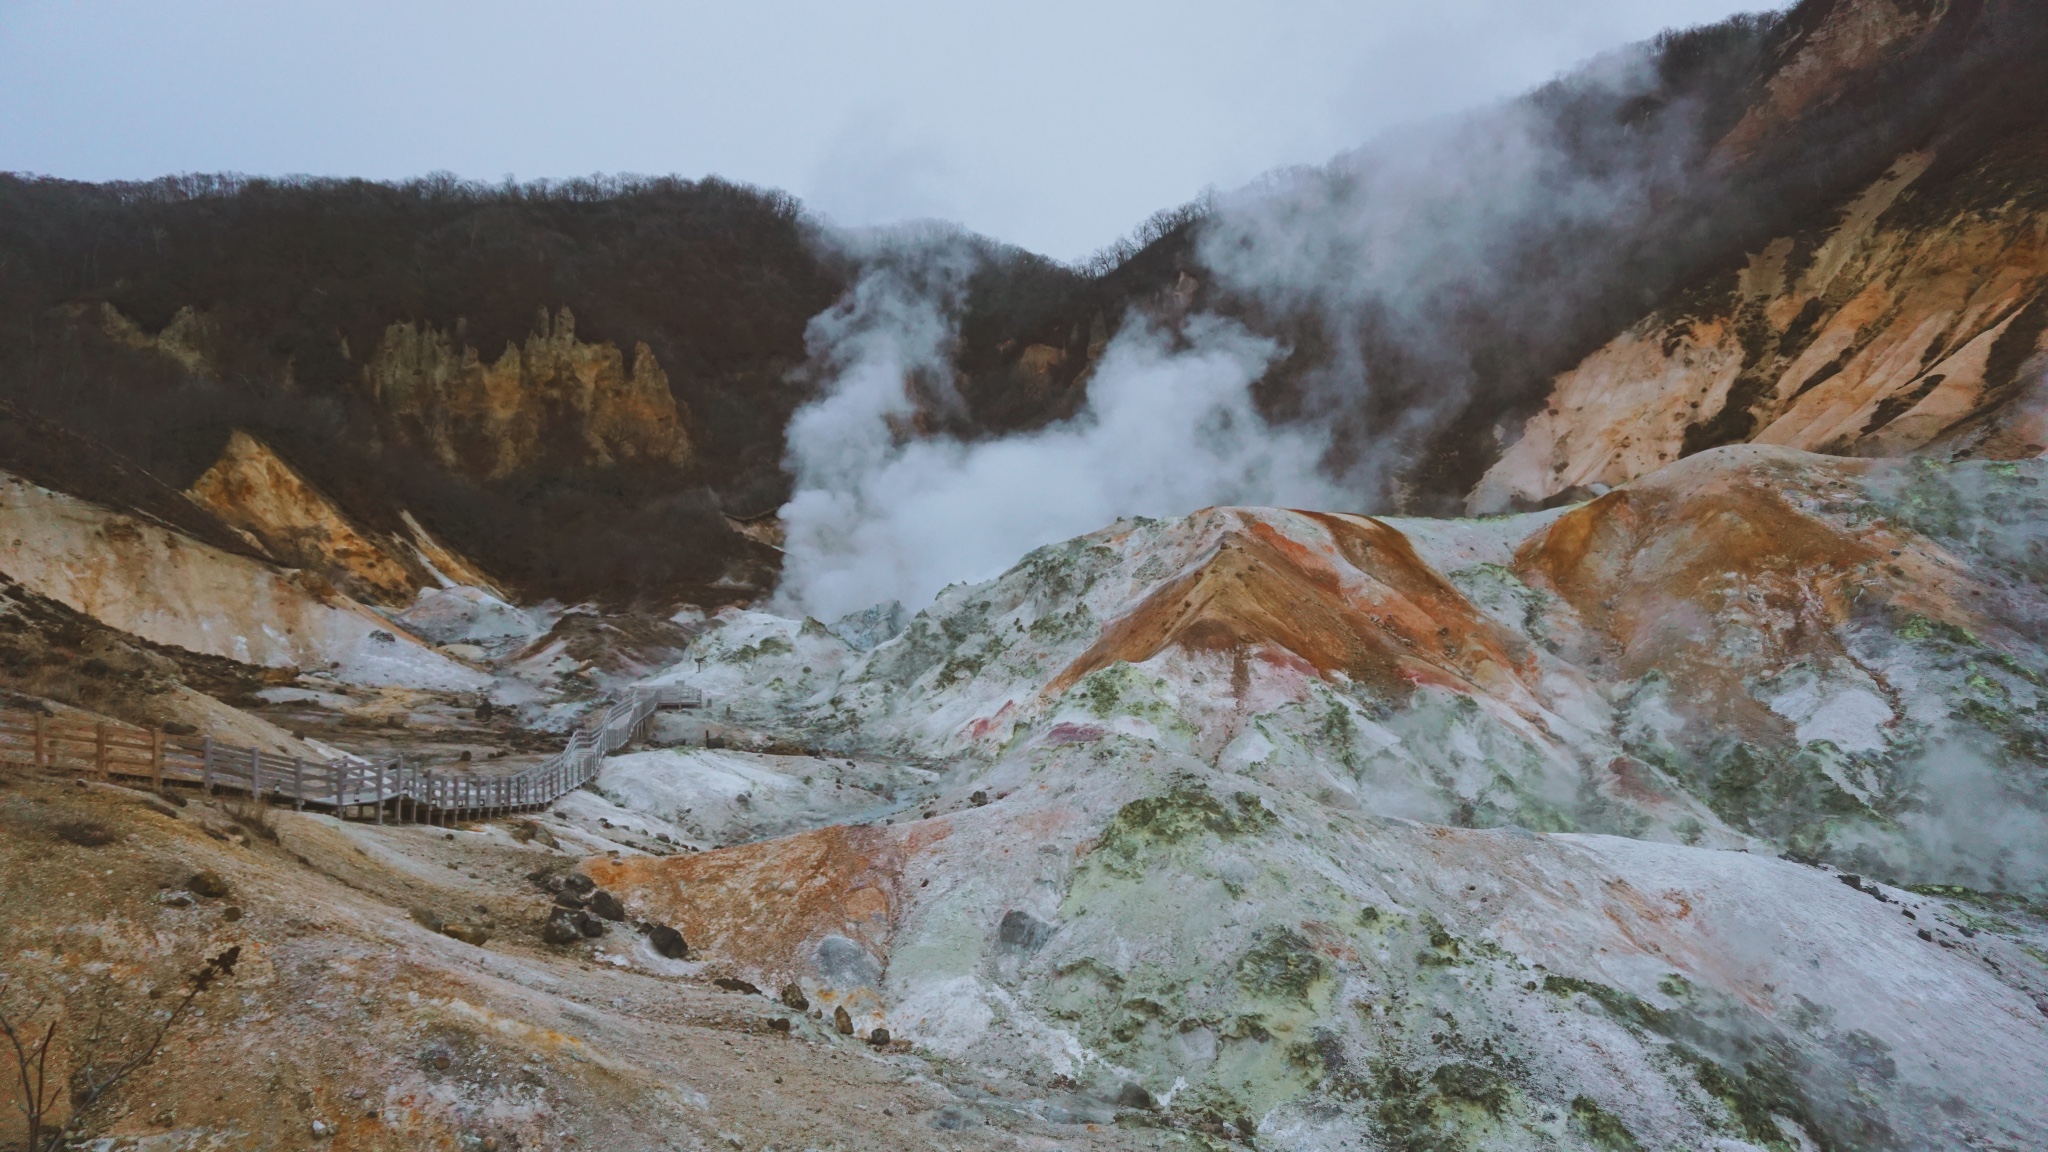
{"type": "Point", "coordinates": [353, 789]}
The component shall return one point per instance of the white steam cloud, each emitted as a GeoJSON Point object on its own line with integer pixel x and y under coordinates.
{"type": "Point", "coordinates": [881, 514]}
{"type": "Point", "coordinates": [1391, 246]}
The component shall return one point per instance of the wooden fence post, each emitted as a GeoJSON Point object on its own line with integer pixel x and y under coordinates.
{"type": "Point", "coordinates": [256, 775]}
{"type": "Point", "coordinates": [156, 756]}
{"type": "Point", "coordinates": [380, 791]}
{"type": "Point", "coordinates": [340, 770]}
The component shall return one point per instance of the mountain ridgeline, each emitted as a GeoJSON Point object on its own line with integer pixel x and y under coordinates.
{"type": "Point", "coordinates": [584, 386]}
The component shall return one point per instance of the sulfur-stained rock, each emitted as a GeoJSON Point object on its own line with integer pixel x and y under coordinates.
{"type": "Point", "coordinates": [552, 396]}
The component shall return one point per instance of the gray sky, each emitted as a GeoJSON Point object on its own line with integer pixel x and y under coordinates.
{"type": "Point", "coordinates": [1056, 125]}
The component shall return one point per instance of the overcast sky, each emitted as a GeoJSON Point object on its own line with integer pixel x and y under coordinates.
{"type": "Point", "coordinates": [1056, 125]}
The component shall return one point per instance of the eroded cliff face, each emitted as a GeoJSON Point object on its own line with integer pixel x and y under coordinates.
{"type": "Point", "coordinates": [552, 400]}
{"type": "Point", "coordinates": [1914, 322]}
{"type": "Point", "coordinates": [1845, 39]}
{"type": "Point", "coordinates": [258, 493]}
{"type": "Point", "coordinates": [139, 577]}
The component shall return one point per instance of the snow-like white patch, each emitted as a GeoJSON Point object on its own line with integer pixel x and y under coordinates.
{"type": "Point", "coordinates": [1448, 545]}
{"type": "Point", "coordinates": [289, 695]}
{"type": "Point", "coordinates": [381, 658]}
{"type": "Point", "coordinates": [946, 1016]}
{"type": "Point", "coordinates": [727, 797]}
{"type": "Point", "coordinates": [1852, 719]}
{"type": "Point", "coordinates": [460, 613]}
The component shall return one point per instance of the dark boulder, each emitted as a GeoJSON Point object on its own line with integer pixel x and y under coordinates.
{"type": "Point", "coordinates": [607, 905]}
{"type": "Point", "coordinates": [668, 941]}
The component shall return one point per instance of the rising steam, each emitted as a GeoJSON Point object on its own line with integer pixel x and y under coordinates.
{"type": "Point", "coordinates": [1442, 264]}
{"type": "Point", "coordinates": [882, 514]}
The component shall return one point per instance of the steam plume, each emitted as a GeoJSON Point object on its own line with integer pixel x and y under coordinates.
{"type": "Point", "coordinates": [881, 514]}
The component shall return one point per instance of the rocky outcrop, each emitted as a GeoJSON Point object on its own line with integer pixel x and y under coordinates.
{"type": "Point", "coordinates": [553, 400]}
{"type": "Point", "coordinates": [253, 489]}
{"type": "Point", "coordinates": [1914, 322]}
{"type": "Point", "coordinates": [182, 341]}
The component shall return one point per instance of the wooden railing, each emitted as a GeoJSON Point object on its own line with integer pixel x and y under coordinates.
{"type": "Point", "coordinates": [394, 789]}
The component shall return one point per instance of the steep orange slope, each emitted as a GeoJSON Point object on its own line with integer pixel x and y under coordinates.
{"type": "Point", "coordinates": [1733, 563]}
{"type": "Point", "coordinates": [256, 491]}
{"type": "Point", "coordinates": [1344, 594]}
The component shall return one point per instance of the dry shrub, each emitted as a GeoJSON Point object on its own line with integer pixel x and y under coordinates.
{"type": "Point", "coordinates": [84, 833]}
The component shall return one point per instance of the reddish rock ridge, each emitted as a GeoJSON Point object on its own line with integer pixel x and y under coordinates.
{"type": "Point", "coordinates": [1730, 563]}
{"type": "Point", "coordinates": [764, 910]}
{"type": "Point", "coordinates": [1358, 601]}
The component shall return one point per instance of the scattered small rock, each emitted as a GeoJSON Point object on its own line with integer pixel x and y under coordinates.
{"type": "Point", "coordinates": [793, 997]}
{"type": "Point", "coordinates": [209, 884]}
{"type": "Point", "coordinates": [175, 899]}
{"type": "Point", "coordinates": [321, 1131]}
{"type": "Point", "coordinates": [607, 905]}
{"type": "Point", "coordinates": [560, 929]}
{"type": "Point", "coordinates": [467, 933]}
{"type": "Point", "coordinates": [779, 1024]}
{"type": "Point", "coordinates": [734, 984]}
{"type": "Point", "coordinates": [439, 1059]}
{"type": "Point", "coordinates": [978, 799]}
{"type": "Point", "coordinates": [841, 1022]}
{"type": "Point", "coordinates": [568, 925]}
{"type": "Point", "coordinates": [668, 941]}
{"type": "Point", "coordinates": [879, 1037]}
{"type": "Point", "coordinates": [1135, 1096]}
{"type": "Point", "coordinates": [529, 831]}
